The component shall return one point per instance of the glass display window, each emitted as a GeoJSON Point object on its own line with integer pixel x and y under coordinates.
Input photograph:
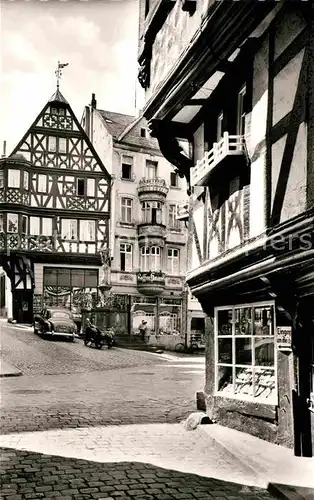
{"type": "Point", "coordinates": [245, 352]}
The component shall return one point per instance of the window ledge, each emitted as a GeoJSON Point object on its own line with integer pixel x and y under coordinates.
{"type": "Point", "coordinates": [127, 180]}
{"type": "Point", "coordinates": [177, 188]}
{"type": "Point", "coordinates": [257, 408]}
{"type": "Point", "coordinates": [127, 224]}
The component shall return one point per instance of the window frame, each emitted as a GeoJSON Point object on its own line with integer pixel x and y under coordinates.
{"type": "Point", "coordinates": [125, 208]}
{"type": "Point", "coordinates": [128, 161]}
{"type": "Point", "coordinates": [174, 175]}
{"type": "Point", "coordinates": [125, 252]}
{"type": "Point", "coordinates": [73, 238]}
{"type": "Point", "coordinates": [176, 222]}
{"type": "Point", "coordinates": [151, 166]}
{"type": "Point", "coordinates": [39, 190]}
{"type": "Point", "coordinates": [150, 259]}
{"type": "Point", "coordinates": [89, 228]}
{"type": "Point", "coordinates": [234, 364]}
{"type": "Point", "coordinates": [17, 222]}
{"type": "Point", "coordinates": [19, 177]}
{"type": "Point", "coordinates": [171, 259]}
{"type": "Point", "coordinates": [220, 126]}
{"type": "Point", "coordinates": [52, 148]}
{"type": "Point", "coordinates": [80, 179]}
{"type": "Point", "coordinates": [241, 110]}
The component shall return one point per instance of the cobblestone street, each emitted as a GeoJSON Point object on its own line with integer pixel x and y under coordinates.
{"type": "Point", "coordinates": [28, 475]}
{"type": "Point", "coordinates": [69, 385]}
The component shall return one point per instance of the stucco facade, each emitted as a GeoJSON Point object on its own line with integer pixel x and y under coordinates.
{"type": "Point", "coordinates": [148, 242]}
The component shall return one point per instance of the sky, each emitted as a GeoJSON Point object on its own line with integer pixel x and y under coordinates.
{"type": "Point", "coordinates": [98, 38]}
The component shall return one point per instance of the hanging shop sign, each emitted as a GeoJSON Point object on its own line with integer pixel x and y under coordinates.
{"type": "Point", "coordinates": [284, 338]}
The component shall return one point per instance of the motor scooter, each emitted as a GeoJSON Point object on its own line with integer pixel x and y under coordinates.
{"type": "Point", "coordinates": [94, 337]}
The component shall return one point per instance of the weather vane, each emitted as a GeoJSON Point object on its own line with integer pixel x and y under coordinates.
{"type": "Point", "coordinates": [58, 71]}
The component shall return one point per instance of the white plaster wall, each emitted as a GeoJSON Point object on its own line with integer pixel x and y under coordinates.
{"type": "Point", "coordinates": [295, 196]}
{"type": "Point", "coordinates": [256, 141]}
{"type": "Point", "coordinates": [102, 140]}
{"type": "Point", "coordinates": [285, 86]}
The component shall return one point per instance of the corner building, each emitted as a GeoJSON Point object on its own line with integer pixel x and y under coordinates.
{"type": "Point", "coordinates": [54, 220]}
{"type": "Point", "coordinates": [147, 240]}
{"type": "Point", "coordinates": [235, 79]}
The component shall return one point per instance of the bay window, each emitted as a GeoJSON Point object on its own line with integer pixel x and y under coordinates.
{"type": "Point", "coordinates": [87, 230]}
{"type": "Point", "coordinates": [150, 259]}
{"type": "Point", "coordinates": [125, 257]}
{"type": "Point", "coordinates": [12, 223]}
{"type": "Point", "coordinates": [173, 261]}
{"type": "Point", "coordinates": [14, 178]}
{"type": "Point", "coordinates": [34, 226]}
{"type": "Point", "coordinates": [24, 224]}
{"type": "Point", "coordinates": [245, 352]}
{"type": "Point", "coordinates": [69, 229]}
{"type": "Point", "coordinates": [26, 180]}
{"type": "Point", "coordinates": [152, 212]}
{"type": "Point", "coordinates": [46, 226]}
{"type": "Point", "coordinates": [40, 226]}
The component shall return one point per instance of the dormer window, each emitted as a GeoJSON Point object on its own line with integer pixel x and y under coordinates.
{"type": "Point", "coordinates": [143, 132]}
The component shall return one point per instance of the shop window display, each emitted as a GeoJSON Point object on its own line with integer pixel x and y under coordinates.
{"type": "Point", "coordinates": [245, 353]}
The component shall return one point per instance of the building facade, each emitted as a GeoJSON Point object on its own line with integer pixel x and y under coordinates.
{"type": "Point", "coordinates": [235, 79]}
{"type": "Point", "coordinates": [148, 241]}
{"type": "Point", "coordinates": [54, 221]}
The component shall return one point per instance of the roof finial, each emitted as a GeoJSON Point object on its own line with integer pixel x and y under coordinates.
{"type": "Point", "coordinates": [58, 72]}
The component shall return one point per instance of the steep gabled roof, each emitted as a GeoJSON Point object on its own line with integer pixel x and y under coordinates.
{"type": "Point", "coordinates": [58, 97]}
{"type": "Point", "coordinates": [116, 123]}
{"type": "Point", "coordinates": [126, 129]}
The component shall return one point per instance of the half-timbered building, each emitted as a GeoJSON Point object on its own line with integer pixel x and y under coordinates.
{"type": "Point", "coordinates": [236, 80]}
{"type": "Point", "coordinates": [54, 221]}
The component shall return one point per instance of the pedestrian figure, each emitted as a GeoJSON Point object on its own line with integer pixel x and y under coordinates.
{"type": "Point", "coordinates": [143, 329]}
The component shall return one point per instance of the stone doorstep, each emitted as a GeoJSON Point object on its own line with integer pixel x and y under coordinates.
{"type": "Point", "coordinates": [287, 492]}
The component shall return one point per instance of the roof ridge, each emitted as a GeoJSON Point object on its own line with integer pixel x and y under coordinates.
{"type": "Point", "coordinates": [128, 128]}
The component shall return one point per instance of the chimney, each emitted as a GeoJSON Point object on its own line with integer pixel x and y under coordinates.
{"type": "Point", "coordinates": [94, 102]}
{"type": "Point", "coordinates": [4, 149]}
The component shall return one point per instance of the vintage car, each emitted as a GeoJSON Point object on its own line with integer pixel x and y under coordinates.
{"type": "Point", "coordinates": [55, 322]}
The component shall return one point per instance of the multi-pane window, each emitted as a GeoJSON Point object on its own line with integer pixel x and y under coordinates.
{"type": "Point", "coordinates": [52, 144]}
{"type": "Point", "coordinates": [40, 226]}
{"type": "Point", "coordinates": [42, 183]}
{"type": "Point", "coordinates": [174, 179]}
{"type": "Point", "coordinates": [150, 258]}
{"type": "Point", "coordinates": [173, 221]}
{"type": "Point", "coordinates": [90, 190]}
{"type": "Point", "coordinates": [80, 187]}
{"type": "Point", "coordinates": [126, 209]}
{"type": "Point", "coordinates": [87, 230]}
{"type": "Point", "coordinates": [12, 223]}
{"type": "Point", "coordinates": [125, 257]}
{"type": "Point", "coordinates": [151, 169]}
{"type": "Point", "coordinates": [70, 277]}
{"type": "Point", "coordinates": [126, 167]}
{"type": "Point", "coordinates": [173, 261]}
{"type": "Point", "coordinates": [69, 229]}
{"type": "Point", "coordinates": [245, 352]}
{"type": "Point", "coordinates": [14, 178]}
{"type": "Point", "coordinates": [152, 212]}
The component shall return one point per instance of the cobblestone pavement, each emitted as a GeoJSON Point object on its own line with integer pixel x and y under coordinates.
{"type": "Point", "coordinates": [90, 387]}
{"type": "Point", "coordinates": [27, 475]}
